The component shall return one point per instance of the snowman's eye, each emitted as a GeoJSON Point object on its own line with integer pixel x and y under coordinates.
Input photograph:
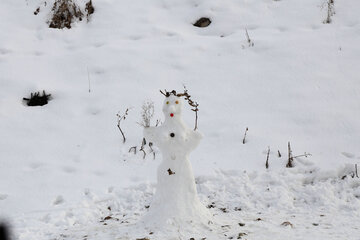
{"type": "Point", "coordinates": [167, 102]}
{"type": "Point", "coordinates": [177, 102]}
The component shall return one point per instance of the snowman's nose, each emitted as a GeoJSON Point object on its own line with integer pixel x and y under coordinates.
{"type": "Point", "coordinates": [172, 109]}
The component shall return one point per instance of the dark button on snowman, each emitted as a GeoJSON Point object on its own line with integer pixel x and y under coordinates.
{"type": "Point", "coordinates": [176, 200]}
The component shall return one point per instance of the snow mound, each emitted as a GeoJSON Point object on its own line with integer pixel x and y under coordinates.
{"type": "Point", "coordinates": [254, 205]}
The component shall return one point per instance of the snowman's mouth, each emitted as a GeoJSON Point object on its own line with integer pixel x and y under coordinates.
{"type": "Point", "coordinates": [171, 115]}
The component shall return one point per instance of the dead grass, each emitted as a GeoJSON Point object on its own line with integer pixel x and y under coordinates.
{"type": "Point", "coordinates": [66, 12]}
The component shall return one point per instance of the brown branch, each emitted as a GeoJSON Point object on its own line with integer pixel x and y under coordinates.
{"type": "Point", "coordinates": [165, 94]}
{"type": "Point", "coordinates": [120, 118]}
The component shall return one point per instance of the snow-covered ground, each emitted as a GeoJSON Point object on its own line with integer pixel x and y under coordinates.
{"type": "Point", "coordinates": [64, 164]}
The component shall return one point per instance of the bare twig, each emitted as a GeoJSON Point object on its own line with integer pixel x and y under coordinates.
{"type": "Point", "coordinates": [88, 78]}
{"type": "Point", "coordinates": [279, 154]}
{"type": "Point", "coordinates": [290, 157]}
{"type": "Point", "coordinates": [356, 171]}
{"type": "Point", "coordinates": [267, 158]}
{"type": "Point", "coordinates": [120, 118]}
{"type": "Point", "coordinates": [250, 42]}
{"type": "Point", "coordinates": [151, 149]}
{"type": "Point", "coordinates": [142, 147]}
{"type": "Point", "coordinates": [247, 129]}
{"type": "Point", "coordinates": [133, 149]}
{"type": "Point", "coordinates": [330, 11]}
{"type": "Point", "coordinates": [166, 94]}
{"type": "Point", "coordinates": [303, 155]}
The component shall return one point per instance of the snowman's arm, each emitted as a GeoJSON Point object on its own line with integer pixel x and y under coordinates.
{"type": "Point", "coordinates": [194, 138]}
{"type": "Point", "coordinates": [150, 134]}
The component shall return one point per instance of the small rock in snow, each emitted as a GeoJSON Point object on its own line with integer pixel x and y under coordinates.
{"type": "Point", "coordinates": [202, 22]}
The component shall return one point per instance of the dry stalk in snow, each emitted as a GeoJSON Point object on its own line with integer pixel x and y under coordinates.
{"type": "Point", "coordinates": [290, 157]}
{"type": "Point", "coordinates": [133, 149]}
{"type": "Point", "coordinates": [120, 118]}
{"type": "Point", "coordinates": [330, 11]}
{"type": "Point", "coordinates": [356, 171]}
{"type": "Point", "coordinates": [250, 42]}
{"type": "Point", "coordinates": [244, 139]}
{"type": "Point", "coordinates": [267, 158]}
{"type": "Point", "coordinates": [147, 113]}
{"type": "Point", "coordinates": [142, 147]}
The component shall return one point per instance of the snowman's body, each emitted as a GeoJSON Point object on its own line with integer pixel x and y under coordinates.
{"type": "Point", "coordinates": [176, 197]}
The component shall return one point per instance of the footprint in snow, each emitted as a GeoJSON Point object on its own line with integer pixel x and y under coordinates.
{"type": "Point", "coordinates": [4, 51]}
{"type": "Point", "coordinates": [348, 155]}
{"type": "Point", "coordinates": [68, 169]}
{"type": "Point", "coordinates": [3, 196]}
{"type": "Point", "coordinates": [35, 165]}
{"type": "Point", "coordinates": [58, 200]}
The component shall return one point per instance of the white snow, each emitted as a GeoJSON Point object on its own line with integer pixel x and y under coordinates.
{"type": "Point", "coordinates": [298, 83]}
{"type": "Point", "coordinates": [176, 200]}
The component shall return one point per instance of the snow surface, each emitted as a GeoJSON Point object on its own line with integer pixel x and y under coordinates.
{"type": "Point", "coordinates": [62, 165]}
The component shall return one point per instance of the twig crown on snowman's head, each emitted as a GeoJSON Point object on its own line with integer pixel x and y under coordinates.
{"type": "Point", "coordinates": [184, 94]}
{"type": "Point", "coordinates": [187, 97]}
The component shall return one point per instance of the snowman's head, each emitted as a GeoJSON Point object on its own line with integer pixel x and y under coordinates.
{"type": "Point", "coordinates": [172, 107]}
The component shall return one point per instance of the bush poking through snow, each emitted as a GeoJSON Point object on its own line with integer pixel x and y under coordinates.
{"type": "Point", "coordinates": [147, 113]}
{"type": "Point", "coordinates": [89, 8]}
{"type": "Point", "coordinates": [38, 100]}
{"type": "Point", "coordinates": [65, 12]}
{"type": "Point", "coordinates": [202, 22]}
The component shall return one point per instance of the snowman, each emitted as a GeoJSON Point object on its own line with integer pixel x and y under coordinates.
{"type": "Point", "coordinates": [176, 201]}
